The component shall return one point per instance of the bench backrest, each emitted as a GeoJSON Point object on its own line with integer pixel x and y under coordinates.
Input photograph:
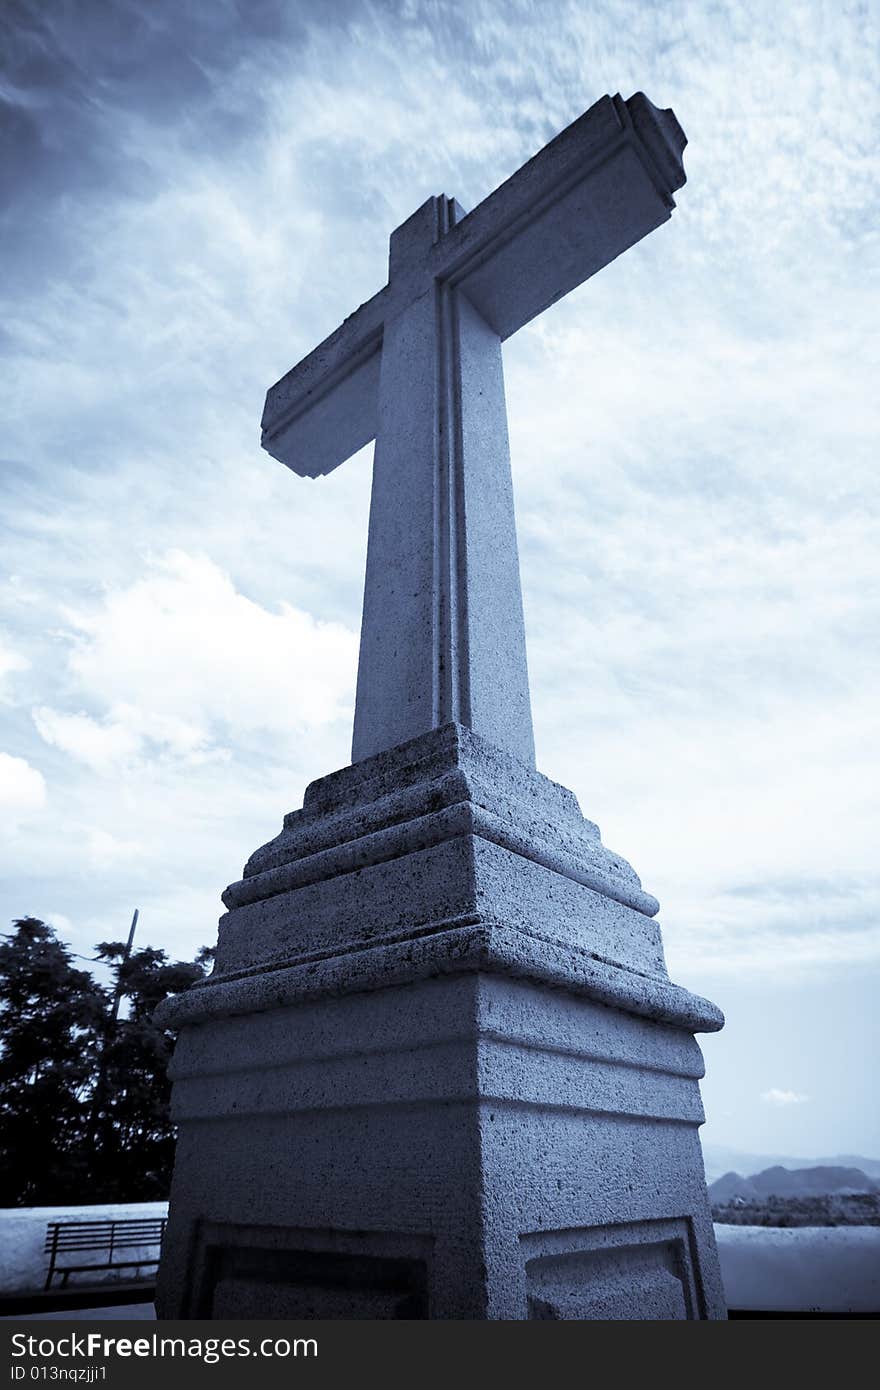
{"type": "Point", "coordinates": [108, 1234]}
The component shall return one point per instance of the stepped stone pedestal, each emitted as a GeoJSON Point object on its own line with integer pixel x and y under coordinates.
{"type": "Point", "coordinates": [439, 1070]}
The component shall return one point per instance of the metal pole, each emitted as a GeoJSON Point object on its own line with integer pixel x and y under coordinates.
{"type": "Point", "coordinates": [100, 1081]}
{"type": "Point", "coordinates": [117, 993]}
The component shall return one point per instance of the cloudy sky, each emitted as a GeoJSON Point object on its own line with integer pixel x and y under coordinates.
{"type": "Point", "coordinates": [194, 193]}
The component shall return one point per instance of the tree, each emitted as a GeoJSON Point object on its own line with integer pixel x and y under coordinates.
{"type": "Point", "coordinates": [51, 1015]}
{"type": "Point", "coordinates": [84, 1095]}
{"type": "Point", "coordinates": [133, 1139]}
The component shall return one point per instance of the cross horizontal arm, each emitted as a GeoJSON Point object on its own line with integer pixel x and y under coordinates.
{"type": "Point", "coordinates": [596, 189]}
{"type": "Point", "coordinates": [325, 408]}
{"type": "Point", "coordinates": [601, 185]}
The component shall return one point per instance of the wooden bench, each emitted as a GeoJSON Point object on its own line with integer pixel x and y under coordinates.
{"type": "Point", "coordinates": [70, 1240]}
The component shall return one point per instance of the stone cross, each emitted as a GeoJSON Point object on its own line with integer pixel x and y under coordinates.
{"type": "Point", "coordinates": [418, 367]}
{"type": "Point", "coordinates": [439, 1069]}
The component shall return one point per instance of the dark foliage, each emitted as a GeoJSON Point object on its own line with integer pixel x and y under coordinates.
{"type": "Point", "coordinates": [51, 1016]}
{"type": "Point", "coordinates": [133, 1135]}
{"type": "Point", "coordinates": [84, 1096]}
{"type": "Point", "coordinates": [830, 1209]}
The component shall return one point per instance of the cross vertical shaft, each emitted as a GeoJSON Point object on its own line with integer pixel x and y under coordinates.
{"type": "Point", "coordinates": [418, 367]}
{"type": "Point", "coordinates": [442, 636]}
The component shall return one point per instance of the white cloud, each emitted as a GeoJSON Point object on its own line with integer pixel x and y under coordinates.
{"type": "Point", "coordinates": [60, 921]}
{"type": "Point", "coordinates": [181, 661]}
{"type": "Point", "coordinates": [22, 791]}
{"type": "Point", "coordinates": [123, 736]}
{"type": "Point", "coordinates": [775, 1096]}
{"type": "Point", "coordinates": [183, 643]}
{"type": "Point", "coordinates": [10, 661]}
{"type": "Point", "coordinates": [106, 850]}
{"type": "Point", "coordinates": [774, 925]}
{"type": "Point", "coordinates": [100, 746]}
{"type": "Point", "coordinates": [191, 717]}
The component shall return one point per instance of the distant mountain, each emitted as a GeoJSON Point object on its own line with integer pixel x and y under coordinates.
{"type": "Point", "coordinates": [730, 1186]}
{"type": "Point", "coordinates": [819, 1181]}
{"type": "Point", "coordinates": [871, 1166]}
{"type": "Point", "coordinates": [719, 1159]}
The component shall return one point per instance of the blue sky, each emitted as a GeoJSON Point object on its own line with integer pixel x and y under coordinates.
{"type": "Point", "coordinates": [194, 195]}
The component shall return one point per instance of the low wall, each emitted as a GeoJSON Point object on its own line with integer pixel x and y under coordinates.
{"type": "Point", "coordinates": [811, 1269]}
{"type": "Point", "coordinates": [832, 1269]}
{"type": "Point", "coordinates": [23, 1263]}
